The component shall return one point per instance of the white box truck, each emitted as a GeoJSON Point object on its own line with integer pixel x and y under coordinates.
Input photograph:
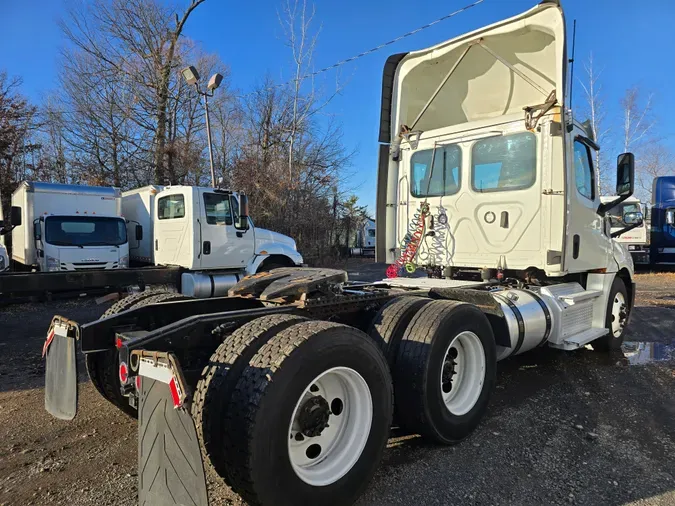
{"type": "Point", "coordinates": [199, 229]}
{"type": "Point", "coordinates": [69, 228]}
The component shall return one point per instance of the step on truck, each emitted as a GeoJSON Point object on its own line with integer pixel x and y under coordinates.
{"type": "Point", "coordinates": [288, 385]}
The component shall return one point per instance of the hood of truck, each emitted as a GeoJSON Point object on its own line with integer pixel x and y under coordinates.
{"type": "Point", "coordinates": [499, 70]}
{"type": "Point", "coordinates": [264, 236]}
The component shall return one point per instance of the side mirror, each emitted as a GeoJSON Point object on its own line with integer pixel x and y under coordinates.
{"type": "Point", "coordinates": [37, 231]}
{"type": "Point", "coordinates": [670, 217]}
{"type": "Point", "coordinates": [15, 216]}
{"type": "Point", "coordinates": [139, 233]}
{"type": "Point", "coordinates": [633, 219]}
{"type": "Point", "coordinates": [242, 218]}
{"type": "Point", "coordinates": [625, 175]}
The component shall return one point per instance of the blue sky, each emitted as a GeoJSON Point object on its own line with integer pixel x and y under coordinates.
{"type": "Point", "coordinates": [627, 37]}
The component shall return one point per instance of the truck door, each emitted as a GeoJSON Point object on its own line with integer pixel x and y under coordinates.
{"type": "Point", "coordinates": [587, 244]}
{"type": "Point", "coordinates": [173, 237]}
{"type": "Point", "coordinates": [223, 246]}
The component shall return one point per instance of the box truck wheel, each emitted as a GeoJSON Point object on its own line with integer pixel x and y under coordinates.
{"type": "Point", "coordinates": [445, 371]}
{"type": "Point", "coordinates": [391, 321]}
{"type": "Point", "coordinates": [618, 308]}
{"type": "Point", "coordinates": [218, 379]}
{"type": "Point", "coordinates": [103, 366]}
{"type": "Point", "coordinates": [309, 417]}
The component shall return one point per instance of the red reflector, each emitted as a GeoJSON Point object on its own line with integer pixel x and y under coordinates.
{"type": "Point", "coordinates": [138, 383]}
{"type": "Point", "coordinates": [50, 338]}
{"type": "Point", "coordinates": [118, 343]}
{"type": "Point", "coordinates": [174, 393]}
{"type": "Point", "coordinates": [124, 373]}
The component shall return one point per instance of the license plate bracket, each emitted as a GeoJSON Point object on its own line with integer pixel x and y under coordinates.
{"type": "Point", "coordinates": [61, 388]}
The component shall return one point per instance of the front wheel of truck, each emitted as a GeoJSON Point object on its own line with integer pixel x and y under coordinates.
{"type": "Point", "coordinates": [309, 417]}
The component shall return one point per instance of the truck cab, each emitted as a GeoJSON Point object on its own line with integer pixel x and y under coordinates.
{"type": "Point", "coordinates": [203, 231]}
{"type": "Point", "coordinates": [662, 235]}
{"type": "Point", "coordinates": [635, 240]}
{"type": "Point", "coordinates": [482, 166]}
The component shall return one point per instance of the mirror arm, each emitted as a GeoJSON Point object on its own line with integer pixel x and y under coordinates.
{"type": "Point", "coordinates": [624, 230]}
{"type": "Point", "coordinates": [604, 207]}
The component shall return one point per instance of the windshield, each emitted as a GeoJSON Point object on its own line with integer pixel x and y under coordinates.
{"type": "Point", "coordinates": [616, 214]}
{"type": "Point", "coordinates": [85, 231]}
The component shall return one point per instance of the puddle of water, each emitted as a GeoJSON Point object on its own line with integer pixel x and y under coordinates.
{"type": "Point", "coordinates": [638, 352]}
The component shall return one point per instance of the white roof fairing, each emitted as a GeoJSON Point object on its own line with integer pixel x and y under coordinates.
{"type": "Point", "coordinates": [481, 87]}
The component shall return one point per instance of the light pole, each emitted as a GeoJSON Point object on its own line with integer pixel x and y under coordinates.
{"type": "Point", "coordinates": [191, 76]}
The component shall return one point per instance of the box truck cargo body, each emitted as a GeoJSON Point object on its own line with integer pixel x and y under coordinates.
{"type": "Point", "coordinates": [69, 227]}
{"type": "Point", "coordinates": [138, 208]}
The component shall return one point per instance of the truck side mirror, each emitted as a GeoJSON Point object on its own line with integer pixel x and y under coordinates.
{"type": "Point", "coordinates": [625, 175]}
{"type": "Point", "coordinates": [37, 232]}
{"type": "Point", "coordinates": [15, 216]}
{"type": "Point", "coordinates": [633, 219]}
{"type": "Point", "coordinates": [242, 218]}
{"type": "Point", "coordinates": [139, 233]}
{"type": "Point", "coordinates": [670, 217]}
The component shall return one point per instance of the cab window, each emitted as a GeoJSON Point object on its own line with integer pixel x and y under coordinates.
{"type": "Point", "coordinates": [443, 179]}
{"type": "Point", "coordinates": [217, 208]}
{"type": "Point", "coordinates": [171, 207]}
{"type": "Point", "coordinates": [583, 170]}
{"type": "Point", "coordinates": [504, 163]}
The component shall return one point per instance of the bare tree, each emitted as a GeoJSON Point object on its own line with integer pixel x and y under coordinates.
{"type": "Point", "coordinates": [637, 119]}
{"type": "Point", "coordinates": [136, 42]}
{"type": "Point", "coordinates": [595, 109]}
{"type": "Point", "coordinates": [655, 160]}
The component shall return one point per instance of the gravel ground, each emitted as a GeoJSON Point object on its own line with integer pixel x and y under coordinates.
{"type": "Point", "coordinates": [562, 428]}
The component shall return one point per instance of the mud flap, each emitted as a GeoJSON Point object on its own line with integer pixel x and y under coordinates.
{"type": "Point", "coordinates": [170, 469]}
{"type": "Point", "coordinates": [60, 373]}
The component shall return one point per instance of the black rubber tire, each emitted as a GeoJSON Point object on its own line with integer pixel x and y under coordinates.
{"type": "Point", "coordinates": [418, 369]}
{"type": "Point", "coordinates": [91, 360]}
{"type": "Point", "coordinates": [263, 403]}
{"type": "Point", "coordinates": [103, 365]}
{"type": "Point", "coordinates": [609, 342]}
{"type": "Point", "coordinates": [170, 469]}
{"type": "Point", "coordinates": [390, 323]}
{"type": "Point", "coordinates": [218, 379]}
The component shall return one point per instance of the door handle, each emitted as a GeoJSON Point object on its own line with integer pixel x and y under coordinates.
{"type": "Point", "coordinates": [207, 248]}
{"type": "Point", "coordinates": [504, 222]}
{"type": "Point", "coordinates": [156, 245]}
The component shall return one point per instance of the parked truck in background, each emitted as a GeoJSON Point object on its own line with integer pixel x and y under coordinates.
{"type": "Point", "coordinates": [200, 230]}
{"type": "Point", "coordinates": [662, 234]}
{"type": "Point", "coordinates": [69, 228]}
{"type": "Point", "coordinates": [487, 182]}
{"type": "Point", "coordinates": [635, 240]}
{"type": "Point", "coordinates": [365, 239]}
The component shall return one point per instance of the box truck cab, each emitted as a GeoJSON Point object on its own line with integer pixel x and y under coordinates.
{"type": "Point", "coordinates": [635, 239]}
{"type": "Point", "coordinates": [203, 231]}
{"type": "Point", "coordinates": [662, 236]}
{"type": "Point", "coordinates": [69, 228]}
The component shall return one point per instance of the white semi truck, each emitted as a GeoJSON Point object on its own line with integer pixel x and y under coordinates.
{"type": "Point", "coordinates": [636, 240]}
{"type": "Point", "coordinates": [69, 228]}
{"type": "Point", "coordinates": [365, 239]}
{"type": "Point", "coordinates": [287, 385]}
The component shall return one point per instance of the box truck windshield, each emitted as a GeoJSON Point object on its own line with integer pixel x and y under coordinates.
{"type": "Point", "coordinates": [85, 231]}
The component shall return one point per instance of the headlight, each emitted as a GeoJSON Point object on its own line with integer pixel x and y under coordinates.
{"type": "Point", "coordinates": [52, 264]}
{"type": "Point", "coordinates": [124, 261]}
